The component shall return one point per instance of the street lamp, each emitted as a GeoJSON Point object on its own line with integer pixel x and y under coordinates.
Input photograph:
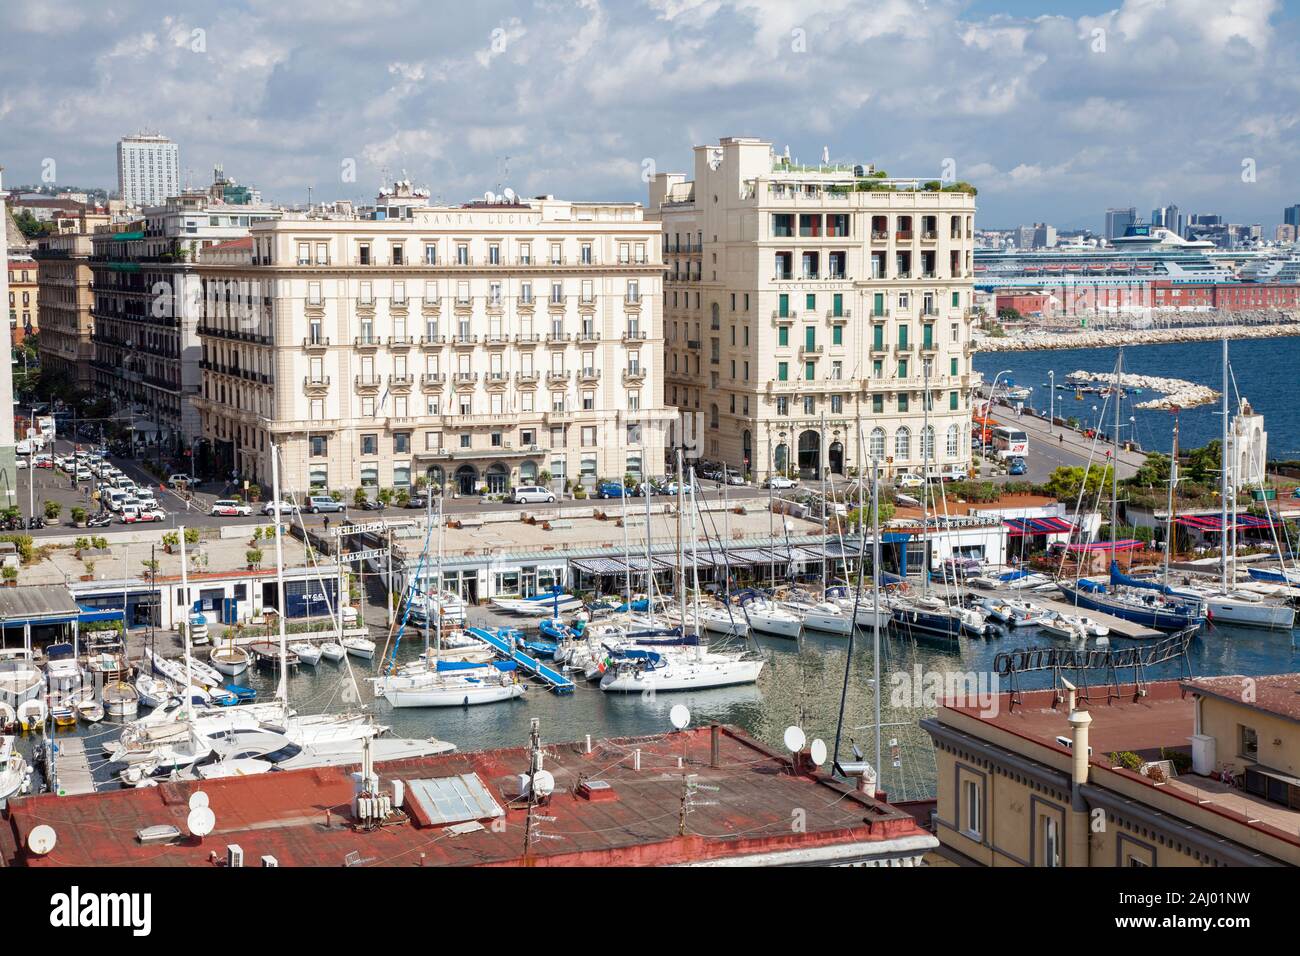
{"type": "Point", "coordinates": [1095, 420]}
{"type": "Point", "coordinates": [1051, 400]}
{"type": "Point", "coordinates": [993, 389]}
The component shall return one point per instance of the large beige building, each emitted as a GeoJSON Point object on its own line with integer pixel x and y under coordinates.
{"type": "Point", "coordinates": [486, 345]}
{"type": "Point", "coordinates": [802, 304]}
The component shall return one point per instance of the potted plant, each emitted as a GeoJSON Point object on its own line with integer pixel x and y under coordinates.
{"type": "Point", "coordinates": [359, 498]}
{"type": "Point", "coordinates": [254, 492]}
{"type": "Point", "coordinates": [254, 557]}
{"type": "Point", "coordinates": [52, 511]}
{"type": "Point", "coordinates": [11, 576]}
{"type": "Point", "coordinates": [385, 496]}
{"type": "Point", "coordinates": [90, 571]}
{"type": "Point", "coordinates": [170, 540]}
{"type": "Point", "coordinates": [403, 498]}
{"type": "Point", "coordinates": [78, 516]}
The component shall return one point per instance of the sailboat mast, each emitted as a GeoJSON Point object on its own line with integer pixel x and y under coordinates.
{"type": "Point", "coordinates": [875, 603]}
{"type": "Point", "coordinates": [282, 689]}
{"type": "Point", "coordinates": [681, 561]}
{"type": "Point", "coordinates": [185, 589]}
{"type": "Point", "coordinates": [925, 483]}
{"type": "Point", "coordinates": [826, 508]}
{"type": "Point", "coordinates": [627, 581]}
{"type": "Point", "coordinates": [437, 647]}
{"type": "Point", "coordinates": [1223, 479]}
{"type": "Point", "coordinates": [649, 568]}
{"type": "Point", "coordinates": [1173, 481]}
{"type": "Point", "coordinates": [1114, 464]}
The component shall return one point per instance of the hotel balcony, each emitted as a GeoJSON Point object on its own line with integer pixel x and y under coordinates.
{"type": "Point", "coordinates": [319, 384]}
{"type": "Point", "coordinates": [527, 378]}
{"type": "Point", "coordinates": [496, 340]}
{"type": "Point", "coordinates": [839, 318]}
{"type": "Point", "coordinates": [367, 342]}
{"type": "Point", "coordinates": [401, 381]}
{"type": "Point", "coordinates": [464, 341]}
{"type": "Point", "coordinates": [634, 375]}
{"type": "Point", "coordinates": [784, 318]}
{"type": "Point", "coordinates": [433, 380]}
{"type": "Point", "coordinates": [368, 382]}
{"type": "Point", "coordinates": [316, 343]}
{"type": "Point", "coordinates": [556, 378]}
{"type": "Point", "coordinates": [401, 341]}
{"type": "Point", "coordinates": [810, 351]}
{"type": "Point", "coordinates": [589, 376]}
{"type": "Point", "coordinates": [557, 338]}
{"type": "Point", "coordinates": [528, 338]}
{"type": "Point", "coordinates": [496, 379]}
{"type": "Point", "coordinates": [637, 336]}
{"type": "Point", "coordinates": [433, 341]}
{"type": "Point", "coordinates": [588, 337]}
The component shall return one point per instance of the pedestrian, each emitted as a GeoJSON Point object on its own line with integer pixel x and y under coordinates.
{"type": "Point", "coordinates": [1060, 439]}
{"type": "Point", "coordinates": [327, 524]}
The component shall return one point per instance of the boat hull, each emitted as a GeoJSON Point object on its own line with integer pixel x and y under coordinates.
{"type": "Point", "coordinates": [682, 677]}
{"type": "Point", "coordinates": [1250, 614]}
{"type": "Point", "coordinates": [457, 696]}
{"type": "Point", "coordinates": [1161, 619]}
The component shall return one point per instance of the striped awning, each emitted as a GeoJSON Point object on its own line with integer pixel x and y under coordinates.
{"type": "Point", "coordinates": [1215, 523]}
{"type": "Point", "coordinates": [1029, 526]}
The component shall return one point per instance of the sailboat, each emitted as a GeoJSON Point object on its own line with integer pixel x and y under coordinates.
{"type": "Point", "coordinates": [434, 682]}
{"type": "Point", "coordinates": [1140, 601]}
{"type": "Point", "coordinates": [229, 658]}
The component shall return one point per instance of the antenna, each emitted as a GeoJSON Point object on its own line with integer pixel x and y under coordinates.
{"type": "Point", "coordinates": [42, 839]}
{"type": "Point", "coordinates": [794, 739]}
{"type": "Point", "coordinates": [201, 821]}
{"type": "Point", "coordinates": [680, 716]}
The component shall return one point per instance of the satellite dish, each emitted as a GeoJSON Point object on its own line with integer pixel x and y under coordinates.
{"type": "Point", "coordinates": [198, 799]}
{"type": "Point", "coordinates": [680, 716]}
{"type": "Point", "coordinates": [488, 197]}
{"type": "Point", "coordinates": [42, 839]}
{"type": "Point", "coordinates": [201, 821]}
{"type": "Point", "coordinates": [794, 739]}
{"type": "Point", "coordinates": [818, 751]}
{"type": "Point", "coordinates": [509, 194]}
{"type": "Point", "coordinates": [543, 783]}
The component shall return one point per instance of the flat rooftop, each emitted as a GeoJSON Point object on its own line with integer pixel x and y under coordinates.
{"type": "Point", "coordinates": [1163, 718]}
{"type": "Point", "coordinates": [1277, 694]}
{"type": "Point", "coordinates": [743, 808]}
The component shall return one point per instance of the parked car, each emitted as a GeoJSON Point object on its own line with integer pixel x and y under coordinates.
{"type": "Point", "coordinates": [671, 488]}
{"type": "Point", "coordinates": [229, 508]}
{"type": "Point", "coordinates": [131, 514]}
{"type": "Point", "coordinates": [284, 507]}
{"type": "Point", "coordinates": [83, 474]}
{"type": "Point", "coordinates": [179, 481]}
{"type": "Point", "coordinates": [1017, 466]}
{"type": "Point", "coordinates": [417, 501]}
{"type": "Point", "coordinates": [22, 463]}
{"type": "Point", "coordinates": [909, 480]}
{"type": "Point", "coordinates": [323, 504]}
{"type": "Point", "coordinates": [735, 478]}
{"type": "Point", "coordinates": [531, 494]}
{"type": "Point", "coordinates": [781, 481]}
{"type": "Point", "coordinates": [610, 489]}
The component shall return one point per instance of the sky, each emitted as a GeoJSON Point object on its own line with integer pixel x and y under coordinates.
{"type": "Point", "coordinates": [1055, 111]}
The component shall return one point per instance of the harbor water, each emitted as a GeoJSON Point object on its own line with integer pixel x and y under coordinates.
{"type": "Point", "coordinates": [1261, 368]}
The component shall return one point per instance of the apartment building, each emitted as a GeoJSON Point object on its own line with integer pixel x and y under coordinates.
{"type": "Point", "coordinates": [65, 298]}
{"type": "Point", "coordinates": [1198, 772]}
{"type": "Point", "coordinates": [8, 470]}
{"type": "Point", "coordinates": [810, 309]}
{"type": "Point", "coordinates": [24, 297]}
{"type": "Point", "coordinates": [148, 169]}
{"type": "Point", "coordinates": [145, 312]}
{"type": "Point", "coordinates": [482, 346]}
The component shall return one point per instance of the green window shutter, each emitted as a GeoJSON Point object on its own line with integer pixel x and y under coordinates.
{"type": "Point", "coordinates": [810, 302]}
{"type": "Point", "coordinates": [952, 401]}
{"type": "Point", "coordinates": [837, 335]}
{"type": "Point", "coordinates": [784, 306]}
{"type": "Point", "coordinates": [783, 335]}
{"type": "Point", "coordinates": [783, 371]}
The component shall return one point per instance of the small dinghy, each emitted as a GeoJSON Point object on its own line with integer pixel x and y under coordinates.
{"type": "Point", "coordinates": [91, 711]}
{"type": "Point", "coordinates": [121, 700]}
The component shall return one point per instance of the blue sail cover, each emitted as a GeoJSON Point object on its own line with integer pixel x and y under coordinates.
{"type": "Point", "coordinates": [1118, 577]}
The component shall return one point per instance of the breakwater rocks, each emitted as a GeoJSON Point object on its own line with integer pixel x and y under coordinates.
{"type": "Point", "coordinates": [1110, 338]}
{"type": "Point", "coordinates": [1174, 392]}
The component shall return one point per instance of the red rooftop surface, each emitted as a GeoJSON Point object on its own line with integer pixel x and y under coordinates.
{"type": "Point", "coordinates": [1162, 717]}
{"type": "Point", "coordinates": [1273, 693]}
{"type": "Point", "coordinates": [760, 811]}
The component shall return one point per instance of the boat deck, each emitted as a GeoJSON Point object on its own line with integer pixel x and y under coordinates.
{"type": "Point", "coordinates": [72, 765]}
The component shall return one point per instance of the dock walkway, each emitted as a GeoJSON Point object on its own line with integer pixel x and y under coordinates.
{"type": "Point", "coordinates": [1118, 626]}
{"type": "Point", "coordinates": [557, 681]}
{"type": "Point", "coordinates": [72, 766]}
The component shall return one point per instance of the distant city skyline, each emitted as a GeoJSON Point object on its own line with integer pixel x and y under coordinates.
{"type": "Point", "coordinates": [1055, 112]}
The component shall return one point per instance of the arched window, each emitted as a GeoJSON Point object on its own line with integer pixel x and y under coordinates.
{"type": "Point", "coordinates": [747, 449]}
{"type": "Point", "coordinates": [716, 315]}
{"type": "Point", "coordinates": [954, 437]}
{"type": "Point", "coordinates": [903, 443]}
{"type": "Point", "coordinates": [877, 443]}
{"type": "Point", "coordinates": [713, 416]}
{"type": "Point", "coordinates": [927, 443]}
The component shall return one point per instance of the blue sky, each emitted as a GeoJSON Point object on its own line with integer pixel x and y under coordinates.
{"type": "Point", "coordinates": [1054, 110]}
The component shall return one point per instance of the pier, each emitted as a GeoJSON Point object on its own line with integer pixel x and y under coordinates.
{"type": "Point", "coordinates": [70, 766]}
{"type": "Point", "coordinates": [553, 678]}
{"type": "Point", "coordinates": [1118, 626]}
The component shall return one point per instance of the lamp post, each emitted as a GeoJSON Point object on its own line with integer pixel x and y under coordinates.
{"type": "Point", "coordinates": [993, 389]}
{"type": "Point", "coordinates": [1051, 400]}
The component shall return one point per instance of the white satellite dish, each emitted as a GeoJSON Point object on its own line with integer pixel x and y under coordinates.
{"type": "Point", "coordinates": [543, 783]}
{"type": "Point", "coordinates": [509, 194]}
{"type": "Point", "coordinates": [201, 821]}
{"type": "Point", "coordinates": [198, 799]}
{"type": "Point", "coordinates": [794, 739]}
{"type": "Point", "coordinates": [42, 839]}
{"type": "Point", "coordinates": [818, 751]}
{"type": "Point", "coordinates": [680, 716]}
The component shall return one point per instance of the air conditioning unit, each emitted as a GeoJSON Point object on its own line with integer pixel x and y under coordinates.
{"type": "Point", "coordinates": [269, 860]}
{"type": "Point", "coordinates": [234, 855]}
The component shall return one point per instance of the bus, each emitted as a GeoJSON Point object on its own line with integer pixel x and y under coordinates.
{"type": "Point", "coordinates": [1010, 442]}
